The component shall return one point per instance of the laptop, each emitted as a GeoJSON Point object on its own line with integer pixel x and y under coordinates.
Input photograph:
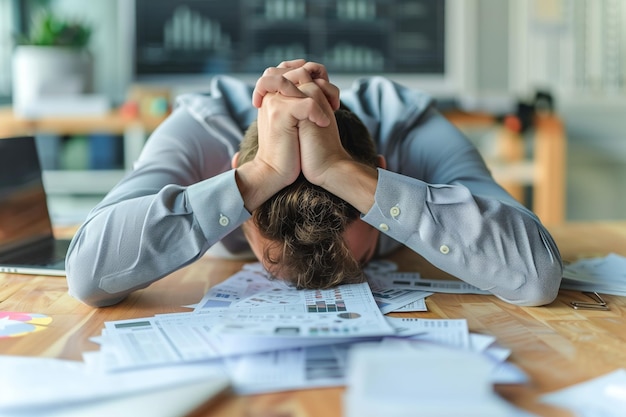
{"type": "Point", "coordinates": [27, 243]}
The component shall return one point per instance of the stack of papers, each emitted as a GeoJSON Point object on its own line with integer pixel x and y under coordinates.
{"type": "Point", "coordinates": [262, 336]}
{"type": "Point", "coordinates": [400, 379]}
{"type": "Point", "coordinates": [605, 275]}
{"type": "Point", "coordinates": [272, 337]}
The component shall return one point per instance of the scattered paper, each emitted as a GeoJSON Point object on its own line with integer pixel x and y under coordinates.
{"type": "Point", "coordinates": [450, 332]}
{"type": "Point", "coordinates": [280, 370]}
{"type": "Point", "coordinates": [390, 299]}
{"type": "Point", "coordinates": [401, 379]}
{"type": "Point", "coordinates": [603, 396]}
{"type": "Point", "coordinates": [251, 280]}
{"type": "Point", "coordinates": [346, 311]}
{"type": "Point", "coordinates": [414, 281]}
{"type": "Point", "coordinates": [325, 366]}
{"type": "Point", "coordinates": [605, 275]}
{"type": "Point", "coordinates": [161, 340]}
{"type": "Point", "coordinates": [29, 384]}
{"type": "Point", "coordinates": [267, 336]}
{"type": "Point", "coordinates": [415, 306]}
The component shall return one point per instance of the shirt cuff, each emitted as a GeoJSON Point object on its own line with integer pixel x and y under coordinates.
{"type": "Point", "coordinates": [217, 205]}
{"type": "Point", "coordinates": [398, 203]}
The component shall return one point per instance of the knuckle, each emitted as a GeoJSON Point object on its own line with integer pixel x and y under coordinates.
{"type": "Point", "coordinates": [269, 70]}
{"type": "Point", "coordinates": [317, 69]}
{"type": "Point", "coordinates": [311, 104]}
{"type": "Point", "coordinates": [300, 75]}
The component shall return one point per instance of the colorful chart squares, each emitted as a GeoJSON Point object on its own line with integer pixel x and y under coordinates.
{"type": "Point", "coordinates": [14, 324]}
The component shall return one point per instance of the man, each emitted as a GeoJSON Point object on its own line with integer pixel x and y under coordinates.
{"type": "Point", "coordinates": [189, 192]}
{"type": "Point", "coordinates": [298, 233]}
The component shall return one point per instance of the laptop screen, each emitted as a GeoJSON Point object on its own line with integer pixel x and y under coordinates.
{"type": "Point", "coordinates": [24, 217]}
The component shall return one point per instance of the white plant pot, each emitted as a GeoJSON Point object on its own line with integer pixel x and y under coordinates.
{"type": "Point", "coordinates": [48, 71]}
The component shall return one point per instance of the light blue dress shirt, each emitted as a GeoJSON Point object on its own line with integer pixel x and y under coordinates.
{"type": "Point", "coordinates": [436, 196]}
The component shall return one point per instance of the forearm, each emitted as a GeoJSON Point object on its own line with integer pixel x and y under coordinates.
{"type": "Point", "coordinates": [257, 183]}
{"type": "Point", "coordinates": [353, 182]}
{"type": "Point", "coordinates": [176, 203]}
{"type": "Point", "coordinates": [487, 243]}
{"type": "Point", "coordinates": [130, 244]}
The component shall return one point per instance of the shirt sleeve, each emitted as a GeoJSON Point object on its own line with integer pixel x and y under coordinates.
{"type": "Point", "coordinates": [489, 244]}
{"type": "Point", "coordinates": [180, 199]}
{"type": "Point", "coordinates": [439, 199]}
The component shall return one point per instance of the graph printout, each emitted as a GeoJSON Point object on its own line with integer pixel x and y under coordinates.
{"type": "Point", "coordinates": [346, 311]}
{"type": "Point", "coordinates": [411, 280]}
{"type": "Point", "coordinates": [162, 340]}
{"type": "Point", "coordinates": [14, 324]}
{"type": "Point", "coordinates": [245, 283]}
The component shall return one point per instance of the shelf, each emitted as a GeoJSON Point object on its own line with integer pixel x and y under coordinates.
{"type": "Point", "coordinates": [88, 182]}
{"type": "Point", "coordinates": [133, 132]}
{"type": "Point", "coordinates": [112, 122]}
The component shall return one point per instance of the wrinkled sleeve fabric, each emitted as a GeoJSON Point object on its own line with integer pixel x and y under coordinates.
{"type": "Point", "coordinates": [180, 199]}
{"type": "Point", "coordinates": [438, 198]}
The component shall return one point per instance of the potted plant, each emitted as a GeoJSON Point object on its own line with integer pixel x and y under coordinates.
{"type": "Point", "coordinates": [52, 60]}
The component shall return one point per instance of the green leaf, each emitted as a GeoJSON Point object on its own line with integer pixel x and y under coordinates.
{"type": "Point", "coordinates": [50, 30]}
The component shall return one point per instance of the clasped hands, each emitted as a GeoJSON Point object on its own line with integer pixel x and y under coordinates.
{"type": "Point", "coordinates": [297, 133]}
{"type": "Point", "coordinates": [297, 128]}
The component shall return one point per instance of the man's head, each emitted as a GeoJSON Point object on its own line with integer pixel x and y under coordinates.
{"type": "Point", "coordinates": [306, 235]}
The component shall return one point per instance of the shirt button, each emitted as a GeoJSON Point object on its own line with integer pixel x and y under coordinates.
{"type": "Point", "coordinates": [395, 211]}
{"type": "Point", "coordinates": [383, 227]}
{"type": "Point", "coordinates": [444, 249]}
{"type": "Point", "coordinates": [224, 220]}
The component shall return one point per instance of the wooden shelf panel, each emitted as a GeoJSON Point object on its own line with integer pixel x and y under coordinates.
{"type": "Point", "coordinates": [81, 182]}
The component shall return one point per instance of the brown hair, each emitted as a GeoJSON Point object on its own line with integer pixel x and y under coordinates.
{"type": "Point", "coordinates": [307, 222]}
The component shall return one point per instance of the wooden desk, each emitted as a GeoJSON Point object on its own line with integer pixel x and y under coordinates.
{"type": "Point", "coordinates": [556, 345]}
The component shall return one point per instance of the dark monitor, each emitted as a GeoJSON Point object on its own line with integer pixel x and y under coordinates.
{"type": "Point", "coordinates": [24, 217]}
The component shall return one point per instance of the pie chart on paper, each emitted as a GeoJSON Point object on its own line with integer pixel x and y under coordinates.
{"type": "Point", "coordinates": [14, 324]}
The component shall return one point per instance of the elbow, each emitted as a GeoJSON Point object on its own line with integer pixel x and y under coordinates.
{"type": "Point", "coordinates": [539, 295]}
{"type": "Point", "coordinates": [539, 289]}
{"type": "Point", "coordinates": [540, 282]}
{"type": "Point", "coordinates": [83, 290]}
{"type": "Point", "coordinates": [84, 285]}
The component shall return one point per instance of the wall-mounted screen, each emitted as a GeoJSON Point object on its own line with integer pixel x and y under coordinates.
{"type": "Point", "coordinates": [246, 36]}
